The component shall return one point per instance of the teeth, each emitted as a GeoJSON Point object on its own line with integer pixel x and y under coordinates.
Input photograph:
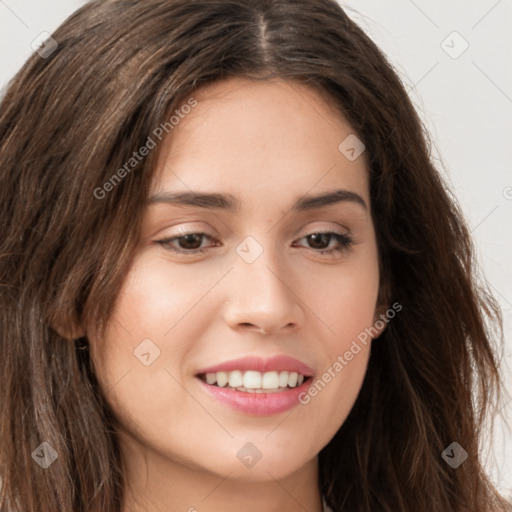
{"type": "Point", "coordinates": [222, 379]}
{"type": "Point", "coordinates": [236, 379]}
{"type": "Point", "coordinates": [255, 382]}
{"type": "Point", "coordinates": [270, 380]}
{"type": "Point", "coordinates": [252, 380]}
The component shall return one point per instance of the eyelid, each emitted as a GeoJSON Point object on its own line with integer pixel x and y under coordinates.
{"type": "Point", "coordinates": [345, 242]}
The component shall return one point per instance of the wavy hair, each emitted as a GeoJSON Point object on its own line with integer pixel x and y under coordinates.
{"type": "Point", "coordinates": [68, 122]}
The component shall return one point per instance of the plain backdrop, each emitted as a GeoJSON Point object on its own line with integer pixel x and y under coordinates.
{"type": "Point", "coordinates": [452, 58]}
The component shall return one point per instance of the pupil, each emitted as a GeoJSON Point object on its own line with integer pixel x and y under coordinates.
{"type": "Point", "coordinates": [324, 237]}
{"type": "Point", "coordinates": [190, 239]}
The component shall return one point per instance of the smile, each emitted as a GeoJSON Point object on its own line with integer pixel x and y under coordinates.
{"type": "Point", "coordinates": [253, 381]}
{"type": "Point", "coordinates": [257, 386]}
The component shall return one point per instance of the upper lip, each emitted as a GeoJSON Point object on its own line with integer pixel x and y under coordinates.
{"type": "Point", "coordinates": [279, 363]}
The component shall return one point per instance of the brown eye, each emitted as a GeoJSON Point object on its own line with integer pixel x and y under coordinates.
{"type": "Point", "coordinates": [190, 241]}
{"type": "Point", "coordinates": [187, 244]}
{"type": "Point", "coordinates": [321, 241]}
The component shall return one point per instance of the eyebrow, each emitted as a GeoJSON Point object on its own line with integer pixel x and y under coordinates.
{"type": "Point", "coordinates": [231, 203]}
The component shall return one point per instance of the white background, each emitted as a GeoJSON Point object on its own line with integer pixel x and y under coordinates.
{"type": "Point", "coordinates": [466, 103]}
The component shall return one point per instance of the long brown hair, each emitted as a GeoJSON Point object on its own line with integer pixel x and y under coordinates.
{"type": "Point", "coordinates": [70, 121]}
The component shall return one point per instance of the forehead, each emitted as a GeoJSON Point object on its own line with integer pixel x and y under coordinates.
{"type": "Point", "coordinates": [269, 139]}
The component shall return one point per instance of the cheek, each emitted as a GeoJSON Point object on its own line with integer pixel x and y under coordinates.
{"type": "Point", "coordinates": [346, 302]}
{"type": "Point", "coordinates": [344, 299]}
{"type": "Point", "coordinates": [161, 302]}
{"type": "Point", "coordinates": [154, 297]}
{"type": "Point", "coordinates": [332, 394]}
{"type": "Point", "coordinates": [144, 354]}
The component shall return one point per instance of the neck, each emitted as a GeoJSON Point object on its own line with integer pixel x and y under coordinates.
{"type": "Point", "coordinates": [154, 483]}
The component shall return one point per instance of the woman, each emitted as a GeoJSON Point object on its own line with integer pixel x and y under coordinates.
{"type": "Point", "coordinates": [231, 276]}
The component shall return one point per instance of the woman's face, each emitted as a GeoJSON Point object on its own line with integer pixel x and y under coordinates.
{"type": "Point", "coordinates": [267, 294]}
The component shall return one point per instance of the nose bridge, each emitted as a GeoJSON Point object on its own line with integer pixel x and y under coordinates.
{"type": "Point", "coordinates": [260, 293]}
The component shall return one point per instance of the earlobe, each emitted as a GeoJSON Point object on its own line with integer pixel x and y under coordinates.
{"type": "Point", "coordinates": [382, 308]}
{"type": "Point", "coordinates": [71, 334]}
{"type": "Point", "coordinates": [66, 324]}
{"type": "Point", "coordinates": [68, 330]}
{"type": "Point", "coordinates": [380, 321]}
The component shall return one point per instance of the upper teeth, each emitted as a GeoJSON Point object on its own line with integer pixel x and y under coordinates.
{"type": "Point", "coordinates": [255, 380]}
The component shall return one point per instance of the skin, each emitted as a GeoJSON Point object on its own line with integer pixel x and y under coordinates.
{"type": "Point", "coordinates": [267, 143]}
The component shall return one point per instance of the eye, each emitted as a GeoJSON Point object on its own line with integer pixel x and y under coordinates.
{"type": "Point", "coordinates": [190, 244]}
{"type": "Point", "coordinates": [321, 241]}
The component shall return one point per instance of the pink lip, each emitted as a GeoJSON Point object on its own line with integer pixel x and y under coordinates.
{"type": "Point", "coordinates": [258, 404]}
{"type": "Point", "coordinates": [259, 364]}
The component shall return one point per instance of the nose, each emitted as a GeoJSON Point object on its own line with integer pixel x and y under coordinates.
{"type": "Point", "coordinates": [263, 296]}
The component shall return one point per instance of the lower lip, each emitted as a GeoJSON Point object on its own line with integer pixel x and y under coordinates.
{"type": "Point", "coordinates": [258, 404]}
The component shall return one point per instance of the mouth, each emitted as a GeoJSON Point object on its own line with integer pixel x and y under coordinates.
{"type": "Point", "coordinates": [257, 386]}
{"type": "Point", "coordinates": [252, 381]}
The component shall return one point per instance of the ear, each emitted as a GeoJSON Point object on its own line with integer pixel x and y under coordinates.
{"type": "Point", "coordinates": [383, 311]}
{"type": "Point", "coordinates": [68, 328]}
{"type": "Point", "coordinates": [70, 334]}
{"type": "Point", "coordinates": [380, 320]}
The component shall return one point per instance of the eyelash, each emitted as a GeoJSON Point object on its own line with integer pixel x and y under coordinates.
{"type": "Point", "coordinates": [345, 243]}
